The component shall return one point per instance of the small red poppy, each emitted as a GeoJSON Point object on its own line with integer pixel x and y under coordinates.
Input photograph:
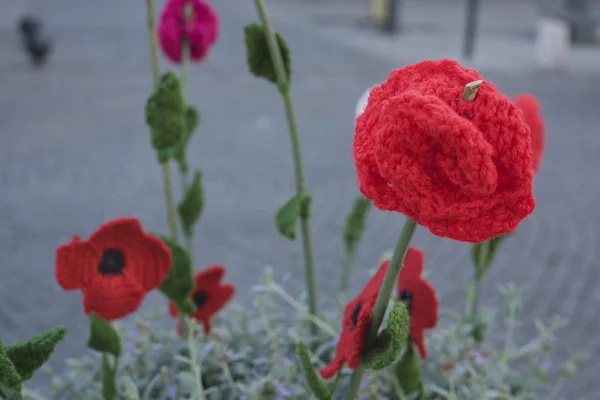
{"type": "Point", "coordinates": [114, 268]}
{"type": "Point", "coordinates": [530, 107]}
{"type": "Point", "coordinates": [356, 322]}
{"type": "Point", "coordinates": [419, 297]}
{"type": "Point", "coordinates": [209, 295]}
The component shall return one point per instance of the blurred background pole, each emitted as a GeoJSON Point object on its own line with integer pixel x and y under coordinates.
{"type": "Point", "coordinates": [582, 22]}
{"type": "Point", "coordinates": [470, 29]}
{"type": "Point", "coordinates": [385, 14]}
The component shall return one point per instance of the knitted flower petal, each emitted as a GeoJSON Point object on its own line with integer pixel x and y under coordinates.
{"type": "Point", "coordinates": [113, 297]}
{"type": "Point", "coordinates": [76, 264]}
{"type": "Point", "coordinates": [355, 325]}
{"type": "Point", "coordinates": [530, 107]}
{"type": "Point", "coordinates": [144, 256]}
{"type": "Point", "coordinates": [461, 168]}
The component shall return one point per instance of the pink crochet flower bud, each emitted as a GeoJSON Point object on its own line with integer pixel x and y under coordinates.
{"type": "Point", "coordinates": [201, 30]}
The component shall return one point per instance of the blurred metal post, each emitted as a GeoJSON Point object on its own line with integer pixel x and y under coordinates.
{"type": "Point", "coordinates": [384, 13]}
{"type": "Point", "coordinates": [470, 28]}
{"type": "Point", "coordinates": [583, 25]}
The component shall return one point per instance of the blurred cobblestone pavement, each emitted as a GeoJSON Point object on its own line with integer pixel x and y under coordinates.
{"type": "Point", "coordinates": [74, 152]}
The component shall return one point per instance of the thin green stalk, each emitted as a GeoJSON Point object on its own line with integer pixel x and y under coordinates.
{"type": "Point", "coordinates": [345, 279]}
{"type": "Point", "coordinates": [185, 61]}
{"type": "Point", "coordinates": [383, 298]}
{"type": "Point", "coordinates": [195, 363]}
{"type": "Point", "coordinates": [284, 89]}
{"type": "Point", "coordinates": [477, 278]}
{"type": "Point", "coordinates": [166, 167]}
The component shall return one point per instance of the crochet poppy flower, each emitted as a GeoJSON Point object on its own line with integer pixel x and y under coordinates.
{"type": "Point", "coordinates": [530, 107]}
{"type": "Point", "coordinates": [457, 163]}
{"type": "Point", "coordinates": [209, 295]}
{"type": "Point", "coordinates": [201, 30]}
{"type": "Point", "coordinates": [419, 297]}
{"type": "Point", "coordinates": [114, 268]}
{"type": "Point", "coordinates": [355, 324]}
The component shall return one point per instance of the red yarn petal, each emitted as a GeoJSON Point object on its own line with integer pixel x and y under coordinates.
{"type": "Point", "coordinates": [209, 277]}
{"type": "Point", "coordinates": [113, 297]}
{"type": "Point", "coordinates": [147, 258]}
{"type": "Point", "coordinates": [355, 325]}
{"type": "Point", "coordinates": [530, 107]}
{"type": "Point", "coordinates": [76, 264]}
{"type": "Point", "coordinates": [456, 147]}
{"type": "Point", "coordinates": [216, 299]}
{"type": "Point", "coordinates": [461, 168]}
{"type": "Point", "coordinates": [417, 335]}
{"type": "Point", "coordinates": [425, 305]}
{"type": "Point", "coordinates": [173, 311]}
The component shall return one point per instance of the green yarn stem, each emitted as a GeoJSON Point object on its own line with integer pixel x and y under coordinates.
{"type": "Point", "coordinates": [477, 279]}
{"type": "Point", "coordinates": [383, 298]}
{"type": "Point", "coordinates": [345, 279]}
{"type": "Point", "coordinates": [284, 89]}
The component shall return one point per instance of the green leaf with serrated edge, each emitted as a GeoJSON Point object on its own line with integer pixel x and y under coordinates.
{"type": "Point", "coordinates": [30, 355]}
{"type": "Point", "coordinates": [165, 115]}
{"type": "Point", "coordinates": [103, 337]}
{"type": "Point", "coordinates": [288, 214]}
{"type": "Point", "coordinates": [258, 56]}
{"type": "Point", "coordinates": [192, 119]}
{"type": "Point", "coordinates": [408, 371]}
{"type": "Point", "coordinates": [192, 205]}
{"type": "Point", "coordinates": [316, 384]}
{"type": "Point", "coordinates": [179, 281]}
{"type": "Point", "coordinates": [389, 342]}
{"type": "Point", "coordinates": [482, 265]}
{"type": "Point", "coordinates": [9, 377]}
{"type": "Point", "coordinates": [109, 378]}
{"type": "Point", "coordinates": [355, 222]}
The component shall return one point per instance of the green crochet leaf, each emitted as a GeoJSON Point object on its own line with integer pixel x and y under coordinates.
{"type": "Point", "coordinates": [288, 214]}
{"type": "Point", "coordinates": [389, 342]}
{"type": "Point", "coordinates": [316, 384]}
{"type": "Point", "coordinates": [109, 378]}
{"type": "Point", "coordinates": [9, 377]}
{"type": "Point", "coordinates": [192, 204]}
{"type": "Point", "coordinates": [165, 115]}
{"type": "Point", "coordinates": [258, 56]}
{"type": "Point", "coordinates": [179, 281]}
{"type": "Point", "coordinates": [30, 355]}
{"type": "Point", "coordinates": [355, 222]}
{"type": "Point", "coordinates": [103, 337]}
{"type": "Point", "coordinates": [192, 119]}
{"type": "Point", "coordinates": [408, 371]}
{"type": "Point", "coordinates": [483, 261]}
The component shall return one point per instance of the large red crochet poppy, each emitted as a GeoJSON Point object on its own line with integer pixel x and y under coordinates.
{"type": "Point", "coordinates": [209, 295]}
{"type": "Point", "coordinates": [461, 168]}
{"type": "Point", "coordinates": [419, 297]}
{"type": "Point", "coordinates": [530, 107]}
{"type": "Point", "coordinates": [356, 322]}
{"type": "Point", "coordinates": [114, 268]}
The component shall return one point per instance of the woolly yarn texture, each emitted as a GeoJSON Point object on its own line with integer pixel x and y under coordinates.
{"type": "Point", "coordinates": [462, 168]}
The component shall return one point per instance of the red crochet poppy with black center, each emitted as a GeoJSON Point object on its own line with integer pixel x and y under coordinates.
{"type": "Point", "coordinates": [355, 325]}
{"type": "Point", "coordinates": [460, 167]}
{"type": "Point", "coordinates": [114, 268]}
{"type": "Point", "coordinates": [419, 297]}
{"type": "Point", "coordinates": [209, 295]}
{"type": "Point", "coordinates": [530, 107]}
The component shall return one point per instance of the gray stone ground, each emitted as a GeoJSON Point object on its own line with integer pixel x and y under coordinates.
{"type": "Point", "coordinates": [74, 153]}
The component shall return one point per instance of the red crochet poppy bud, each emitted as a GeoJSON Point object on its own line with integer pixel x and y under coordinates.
{"type": "Point", "coordinates": [201, 30]}
{"type": "Point", "coordinates": [460, 167]}
{"type": "Point", "coordinates": [530, 107]}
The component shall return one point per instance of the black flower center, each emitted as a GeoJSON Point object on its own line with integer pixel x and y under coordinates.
{"type": "Point", "coordinates": [200, 298]}
{"type": "Point", "coordinates": [112, 263]}
{"type": "Point", "coordinates": [407, 297]}
{"type": "Point", "coordinates": [355, 314]}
